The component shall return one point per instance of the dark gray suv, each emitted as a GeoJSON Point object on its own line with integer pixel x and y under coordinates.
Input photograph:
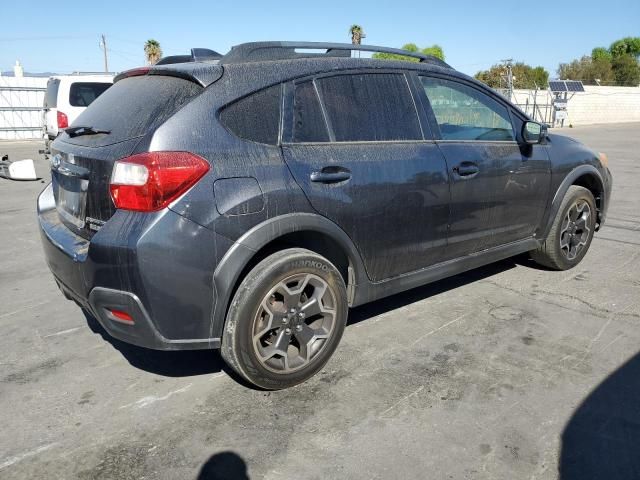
{"type": "Point", "coordinates": [246, 201]}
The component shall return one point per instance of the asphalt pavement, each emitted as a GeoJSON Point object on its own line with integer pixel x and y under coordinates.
{"type": "Point", "coordinates": [505, 372]}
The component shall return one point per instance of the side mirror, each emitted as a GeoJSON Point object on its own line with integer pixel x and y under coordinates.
{"type": "Point", "coordinates": [533, 132]}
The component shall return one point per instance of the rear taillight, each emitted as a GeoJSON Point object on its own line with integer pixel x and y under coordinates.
{"type": "Point", "coordinates": [63, 121]}
{"type": "Point", "coordinates": [150, 181]}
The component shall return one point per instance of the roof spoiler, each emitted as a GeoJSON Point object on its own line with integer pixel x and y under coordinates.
{"type": "Point", "coordinates": [194, 72]}
{"type": "Point", "coordinates": [197, 55]}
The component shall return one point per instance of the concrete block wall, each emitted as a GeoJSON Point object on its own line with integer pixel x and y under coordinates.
{"type": "Point", "coordinates": [594, 105]}
{"type": "Point", "coordinates": [12, 119]}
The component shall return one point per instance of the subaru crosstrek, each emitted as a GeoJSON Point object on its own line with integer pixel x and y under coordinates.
{"type": "Point", "coordinates": [247, 201]}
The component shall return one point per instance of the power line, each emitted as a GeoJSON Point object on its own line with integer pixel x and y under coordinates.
{"type": "Point", "coordinates": [133, 42]}
{"type": "Point", "coordinates": [123, 54]}
{"type": "Point", "coordinates": [43, 37]}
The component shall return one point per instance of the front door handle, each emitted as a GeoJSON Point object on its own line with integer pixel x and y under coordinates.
{"type": "Point", "coordinates": [331, 175]}
{"type": "Point", "coordinates": [466, 169]}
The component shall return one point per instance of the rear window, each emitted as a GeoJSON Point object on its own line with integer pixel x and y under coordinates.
{"type": "Point", "coordinates": [51, 95]}
{"type": "Point", "coordinates": [82, 94]}
{"type": "Point", "coordinates": [134, 106]}
{"type": "Point", "coordinates": [369, 107]}
{"type": "Point", "coordinates": [256, 117]}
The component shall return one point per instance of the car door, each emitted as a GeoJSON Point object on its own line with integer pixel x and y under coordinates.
{"type": "Point", "coordinates": [354, 143]}
{"type": "Point", "coordinates": [499, 186]}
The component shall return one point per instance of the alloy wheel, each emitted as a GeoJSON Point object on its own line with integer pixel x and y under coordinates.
{"type": "Point", "coordinates": [294, 322]}
{"type": "Point", "coordinates": [575, 230]}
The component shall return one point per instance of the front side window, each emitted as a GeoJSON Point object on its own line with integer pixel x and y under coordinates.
{"type": "Point", "coordinates": [464, 113]}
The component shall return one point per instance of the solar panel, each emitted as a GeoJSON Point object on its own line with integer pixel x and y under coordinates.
{"type": "Point", "coordinates": [557, 86]}
{"type": "Point", "coordinates": [574, 86]}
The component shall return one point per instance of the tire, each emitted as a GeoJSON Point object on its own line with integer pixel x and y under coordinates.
{"type": "Point", "coordinates": [293, 301]}
{"type": "Point", "coordinates": [570, 236]}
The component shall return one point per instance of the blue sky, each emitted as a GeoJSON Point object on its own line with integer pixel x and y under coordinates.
{"type": "Point", "coordinates": [64, 36]}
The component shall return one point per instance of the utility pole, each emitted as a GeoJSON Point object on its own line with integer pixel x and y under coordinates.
{"type": "Point", "coordinates": [103, 45]}
{"type": "Point", "coordinates": [509, 65]}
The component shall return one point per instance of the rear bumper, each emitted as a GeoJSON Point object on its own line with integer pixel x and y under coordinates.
{"type": "Point", "coordinates": [143, 332]}
{"type": "Point", "coordinates": [158, 268]}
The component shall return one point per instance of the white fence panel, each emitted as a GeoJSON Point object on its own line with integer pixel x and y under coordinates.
{"type": "Point", "coordinates": [21, 101]}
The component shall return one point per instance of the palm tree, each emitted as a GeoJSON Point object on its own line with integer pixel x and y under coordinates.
{"type": "Point", "coordinates": [152, 51]}
{"type": "Point", "coordinates": [357, 34]}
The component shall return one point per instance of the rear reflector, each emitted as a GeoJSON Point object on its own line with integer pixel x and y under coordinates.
{"type": "Point", "coordinates": [121, 316]}
{"type": "Point", "coordinates": [150, 181]}
{"type": "Point", "coordinates": [63, 121]}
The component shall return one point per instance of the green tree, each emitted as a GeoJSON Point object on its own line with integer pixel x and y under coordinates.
{"type": "Point", "coordinates": [601, 53]}
{"type": "Point", "coordinates": [357, 34]}
{"type": "Point", "coordinates": [434, 50]}
{"type": "Point", "coordinates": [152, 51]}
{"type": "Point", "coordinates": [524, 76]}
{"type": "Point", "coordinates": [626, 46]}
{"type": "Point", "coordinates": [617, 65]}
{"type": "Point", "coordinates": [626, 70]}
{"type": "Point", "coordinates": [540, 76]}
{"type": "Point", "coordinates": [588, 70]}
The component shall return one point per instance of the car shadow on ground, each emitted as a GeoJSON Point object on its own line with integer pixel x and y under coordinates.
{"type": "Point", "coordinates": [379, 307]}
{"type": "Point", "coordinates": [602, 438]}
{"type": "Point", "coordinates": [187, 363]}
{"type": "Point", "coordinates": [183, 363]}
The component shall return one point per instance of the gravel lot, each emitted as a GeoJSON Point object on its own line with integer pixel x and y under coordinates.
{"type": "Point", "coordinates": [506, 372]}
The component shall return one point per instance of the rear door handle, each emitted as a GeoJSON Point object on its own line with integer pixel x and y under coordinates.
{"type": "Point", "coordinates": [331, 175]}
{"type": "Point", "coordinates": [466, 169]}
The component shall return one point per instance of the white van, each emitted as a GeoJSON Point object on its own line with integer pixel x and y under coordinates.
{"type": "Point", "coordinates": [66, 97]}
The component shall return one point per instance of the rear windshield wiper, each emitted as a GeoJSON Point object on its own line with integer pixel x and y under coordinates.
{"type": "Point", "coordinates": [78, 131]}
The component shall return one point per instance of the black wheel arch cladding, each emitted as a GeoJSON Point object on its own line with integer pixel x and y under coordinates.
{"type": "Point", "coordinates": [228, 272]}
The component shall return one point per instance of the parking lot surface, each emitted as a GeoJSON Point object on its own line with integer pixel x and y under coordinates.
{"type": "Point", "coordinates": [505, 372]}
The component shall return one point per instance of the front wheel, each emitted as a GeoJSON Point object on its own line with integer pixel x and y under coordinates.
{"type": "Point", "coordinates": [285, 320]}
{"type": "Point", "coordinates": [571, 232]}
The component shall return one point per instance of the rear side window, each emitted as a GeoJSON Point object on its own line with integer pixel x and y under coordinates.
{"type": "Point", "coordinates": [369, 107]}
{"type": "Point", "coordinates": [82, 94]}
{"type": "Point", "coordinates": [256, 117]}
{"type": "Point", "coordinates": [51, 95]}
{"type": "Point", "coordinates": [308, 121]}
{"type": "Point", "coordinates": [134, 106]}
{"type": "Point", "coordinates": [464, 113]}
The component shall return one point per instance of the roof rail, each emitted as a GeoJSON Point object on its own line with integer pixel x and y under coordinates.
{"type": "Point", "coordinates": [264, 51]}
{"type": "Point", "coordinates": [197, 55]}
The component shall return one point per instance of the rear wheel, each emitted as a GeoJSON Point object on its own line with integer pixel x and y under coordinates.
{"type": "Point", "coordinates": [286, 319]}
{"type": "Point", "coordinates": [571, 232]}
